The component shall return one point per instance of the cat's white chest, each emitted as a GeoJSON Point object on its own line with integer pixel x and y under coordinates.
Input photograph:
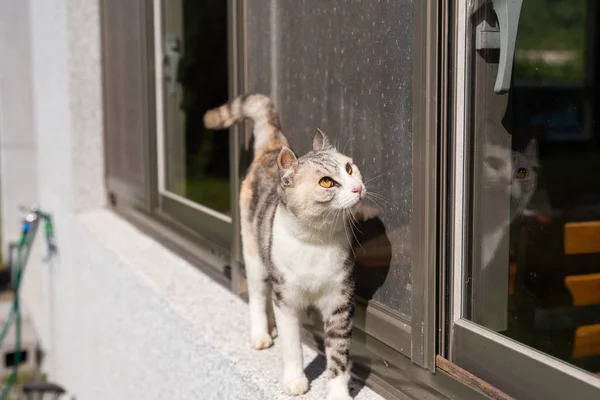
{"type": "Point", "coordinates": [310, 272]}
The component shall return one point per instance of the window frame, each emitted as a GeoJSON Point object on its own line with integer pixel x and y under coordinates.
{"type": "Point", "coordinates": [120, 192]}
{"type": "Point", "coordinates": [519, 370]}
{"type": "Point", "coordinates": [216, 228]}
{"type": "Point", "coordinates": [222, 235]}
{"type": "Point", "coordinates": [427, 121]}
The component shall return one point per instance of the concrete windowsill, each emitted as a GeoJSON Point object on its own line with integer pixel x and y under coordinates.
{"type": "Point", "coordinates": [217, 315]}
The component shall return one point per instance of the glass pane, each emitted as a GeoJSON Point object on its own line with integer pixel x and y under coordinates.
{"type": "Point", "coordinates": [346, 67]}
{"type": "Point", "coordinates": [196, 79]}
{"type": "Point", "coordinates": [535, 273]}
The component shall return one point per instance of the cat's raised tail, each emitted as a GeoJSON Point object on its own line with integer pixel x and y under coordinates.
{"type": "Point", "coordinates": [257, 107]}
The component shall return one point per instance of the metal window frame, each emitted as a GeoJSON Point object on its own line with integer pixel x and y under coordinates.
{"type": "Point", "coordinates": [426, 178]}
{"type": "Point", "coordinates": [217, 230]}
{"type": "Point", "coordinates": [222, 237]}
{"type": "Point", "coordinates": [518, 370]}
{"type": "Point", "coordinates": [238, 134]}
{"type": "Point", "coordinates": [121, 192]}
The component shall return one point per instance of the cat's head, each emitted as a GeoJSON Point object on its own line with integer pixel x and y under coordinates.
{"type": "Point", "coordinates": [321, 184]}
{"type": "Point", "coordinates": [513, 171]}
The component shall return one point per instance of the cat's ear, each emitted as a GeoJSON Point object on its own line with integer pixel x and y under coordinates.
{"type": "Point", "coordinates": [288, 164]}
{"type": "Point", "coordinates": [531, 152]}
{"type": "Point", "coordinates": [287, 160]}
{"type": "Point", "coordinates": [320, 140]}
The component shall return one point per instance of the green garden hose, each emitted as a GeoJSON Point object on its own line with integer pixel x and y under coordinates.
{"type": "Point", "coordinates": [23, 249]}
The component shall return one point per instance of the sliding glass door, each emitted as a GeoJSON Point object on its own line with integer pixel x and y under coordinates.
{"type": "Point", "coordinates": [526, 197]}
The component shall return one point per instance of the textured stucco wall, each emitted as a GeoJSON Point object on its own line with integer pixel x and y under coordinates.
{"type": "Point", "coordinates": [120, 316]}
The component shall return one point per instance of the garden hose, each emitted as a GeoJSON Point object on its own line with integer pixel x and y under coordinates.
{"type": "Point", "coordinates": [23, 249]}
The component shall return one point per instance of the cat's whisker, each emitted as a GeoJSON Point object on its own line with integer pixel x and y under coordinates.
{"type": "Point", "coordinates": [349, 217]}
{"type": "Point", "coordinates": [377, 205]}
{"type": "Point", "coordinates": [380, 206]}
{"type": "Point", "coordinates": [376, 177]}
{"type": "Point", "coordinates": [337, 140]}
{"type": "Point", "coordinates": [346, 145]}
{"type": "Point", "coordinates": [326, 220]}
{"type": "Point", "coordinates": [354, 222]}
{"type": "Point", "coordinates": [347, 236]}
{"type": "Point", "coordinates": [335, 219]}
{"type": "Point", "coordinates": [376, 195]}
{"type": "Point", "coordinates": [345, 222]}
{"type": "Point", "coordinates": [332, 223]}
{"type": "Point", "coordinates": [379, 197]}
{"type": "Point", "coordinates": [354, 227]}
{"type": "Point", "coordinates": [353, 217]}
{"type": "Point", "coordinates": [339, 216]}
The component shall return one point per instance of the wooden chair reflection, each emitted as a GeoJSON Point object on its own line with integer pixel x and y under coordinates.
{"type": "Point", "coordinates": [584, 238]}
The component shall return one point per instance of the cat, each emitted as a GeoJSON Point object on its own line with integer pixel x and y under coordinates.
{"type": "Point", "coordinates": [294, 213]}
{"type": "Point", "coordinates": [507, 174]}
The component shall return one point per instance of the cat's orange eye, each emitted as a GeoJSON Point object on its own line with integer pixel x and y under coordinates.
{"type": "Point", "coordinates": [521, 173]}
{"type": "Point", "coordinates": [349, 169]}
{"type": "Point", "coordinates": [326, 182]}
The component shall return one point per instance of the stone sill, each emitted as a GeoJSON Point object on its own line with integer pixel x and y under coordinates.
{"type": "Point", "coordinates": [217, 315]}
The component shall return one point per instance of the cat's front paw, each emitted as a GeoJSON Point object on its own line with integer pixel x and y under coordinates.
{"type": "Point", "coordinates": [261, 340]}
{"type": "Point", "coordinates": [296, 386]}
{"type": "Point", "coordinates": [337, 387]}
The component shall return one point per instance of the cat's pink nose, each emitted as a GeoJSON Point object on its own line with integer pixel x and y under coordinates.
{"type": "Point", "coordinates": [357, 189]}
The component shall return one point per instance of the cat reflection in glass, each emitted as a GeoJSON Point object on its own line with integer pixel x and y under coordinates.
{"type": "Point", "coordinates": [509, 176]}
{"type": "Point", "coordinates": [296, 219]}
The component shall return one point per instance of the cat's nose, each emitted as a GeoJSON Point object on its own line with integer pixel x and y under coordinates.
{"type": "Point", "coordinates": [357, 189]}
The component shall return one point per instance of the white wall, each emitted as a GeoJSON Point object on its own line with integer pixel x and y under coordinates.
{"type": "Point", "coordinates": [17, 138]}
{"type": "Point", "coordinates": [120, 316]}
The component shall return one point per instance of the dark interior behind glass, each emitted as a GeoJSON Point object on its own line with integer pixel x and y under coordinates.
{"type": "Point", "coordinates": [197, 158]}
{"type": "Point", "coordinates": [553, 266]}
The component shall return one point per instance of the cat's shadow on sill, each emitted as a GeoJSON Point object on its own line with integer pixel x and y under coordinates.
{"type": "Point", "coordinates": [317, 367]}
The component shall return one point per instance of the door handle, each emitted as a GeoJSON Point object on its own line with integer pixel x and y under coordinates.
{"type": "Point", "coordinates": [502, 37]}
{"type": "Point", "coordinates": [171, 61]}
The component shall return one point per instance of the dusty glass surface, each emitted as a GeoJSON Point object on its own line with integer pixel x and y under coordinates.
{"type": "Point", "coordinates": [195, 66]}
{"type": "Point", "coordinates": [346, 67]}
{"type": "Point", "coordinates": [537, 187]}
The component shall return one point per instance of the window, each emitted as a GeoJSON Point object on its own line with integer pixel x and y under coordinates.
{"type": "Point", "coordinates": [525, 242]}
{"type": "Point", "coordinates": [348, 68]}
{"type": "Point", "coordinates": [128, 109]}
{"type": "Point", "coordinates": [196, 160]}
{"type": "Point", "coordinates": [161, 73]}
{"type": "Point", "coordinates": [192, 77]}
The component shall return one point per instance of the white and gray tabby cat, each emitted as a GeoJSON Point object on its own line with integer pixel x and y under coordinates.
{"type": "Point", "coordinates": [294, 213]}
{"type": "Point", "coordinates": [507, 174]}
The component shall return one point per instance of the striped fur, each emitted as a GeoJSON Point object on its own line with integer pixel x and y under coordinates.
{"type": "Point", "coordinates": [295, 241]}
{"type": "Point", "coordinates": [258, 108]}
